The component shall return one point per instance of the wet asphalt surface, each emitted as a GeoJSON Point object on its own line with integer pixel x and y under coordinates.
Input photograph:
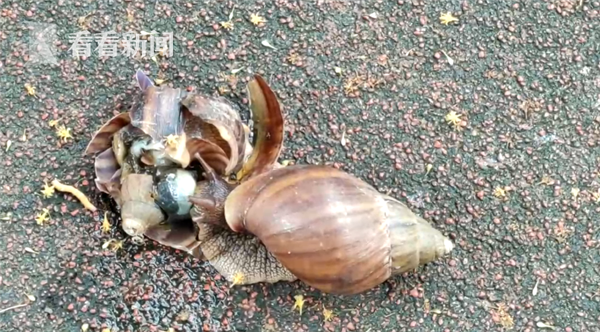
{"type": "Point", "coordinates": [365, 86]}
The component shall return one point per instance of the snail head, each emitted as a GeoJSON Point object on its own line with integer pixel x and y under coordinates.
{"type": "Point", "coordinates": [209, 197]}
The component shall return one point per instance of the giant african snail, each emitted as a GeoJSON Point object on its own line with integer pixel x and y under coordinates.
{"type": "Point", "coordinates": [315, 223]}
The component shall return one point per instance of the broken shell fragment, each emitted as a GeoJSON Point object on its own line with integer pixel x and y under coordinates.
{"type": "Point", "coordinates": [268, 129]}
{"type": "Point", "coordinates": [218, 121]}
{"type": "Point", "coordinates": [102, 138]}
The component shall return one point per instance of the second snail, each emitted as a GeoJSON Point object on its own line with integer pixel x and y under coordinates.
{"type": "Point", "coordinates": [183, 172]}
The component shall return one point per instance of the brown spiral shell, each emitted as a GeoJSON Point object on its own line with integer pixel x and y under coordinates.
{"type": "Point", "coordinates": [330, 229]}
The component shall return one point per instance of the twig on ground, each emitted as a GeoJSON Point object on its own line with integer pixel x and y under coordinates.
{"type": "Point", "coordinates": [13, 307]}
{"type": "Point", "coordinates": [75, 192]}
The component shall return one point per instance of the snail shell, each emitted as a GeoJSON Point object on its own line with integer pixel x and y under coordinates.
{"type": "Point", "coordinates": [181, 236]}
{"type": "Point", "coordinates": [165, 126]}
{"type": "Point", "coordinates": [268, 129]}
{"type": "Point", "coordinates": [157, 113]}
{"type": "Point", "coordinates": [332, 230]}
{"type": "Point", "coordinates": [215, 127]}
{"type": "Point", "coordinates": [108, 174]}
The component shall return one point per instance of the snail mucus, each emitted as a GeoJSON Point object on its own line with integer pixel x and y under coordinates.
{"type": "Point", "coordinates": [314, 223]}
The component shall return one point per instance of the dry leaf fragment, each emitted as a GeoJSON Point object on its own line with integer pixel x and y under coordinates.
{"type": "Point", "coordinates": [30, 89]}
{"type": "Point", "coordinates": [64, 133]}
{"type": "Point", "coordinates": [117, 245]}
{"type": "Point", "coordinates": [500, 192]}
{"type": "Point", "coordinates": [256, 19]}
{"type": "Point", "coordinates": [82, 21]}
{"type": "Point", "coordinates": [453, 119]}
{"type": "Point", "coordinates": [105, 223]}
{"type": "Point", "coordinates": [30, 297]}
{"type": "Point", "coordinates": [42, 217]}
{"type": "Point", "coordinates": [575, 192]}
{"type": "Point", "coordinates": [294, 58]}
{"type": "Point", "coordinates": [506, 319]}
{"type": "Point", "coordinates": [223, 90]}
{"type": "Point", "coordinates": [227, 25]}
{"type": "Point", "coordinates": [544, 325]}
{"type": "Point", "coordinates": [235, 71]}
{"type": "Point", "coordinates": [130, 16]}
{"type": "Point", "coordinates": [546, 180]}
{"type": "Point", "coordinates": [352, 84]}
{"type": "Point", "coordinates": [299, 303]}
{"type": "Point", "coordinates": [447, 17]}
{"type": "Point", "coordinates": [596, 196]}
{"type": "Point", "coordinates": [428, 168]}
{"type": "Point", "coordinates": [31, 251]}
{"type": "Point", "coordinates": [267, 44]}
{"type": "Point", "coordinates": [8, 144]}
{"type": "Point", "coordinates": [48, 191]}
{"type": "Point", "coordinates": [238, 279]}
{"type": "Point", "coordinates": [327, 314]}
